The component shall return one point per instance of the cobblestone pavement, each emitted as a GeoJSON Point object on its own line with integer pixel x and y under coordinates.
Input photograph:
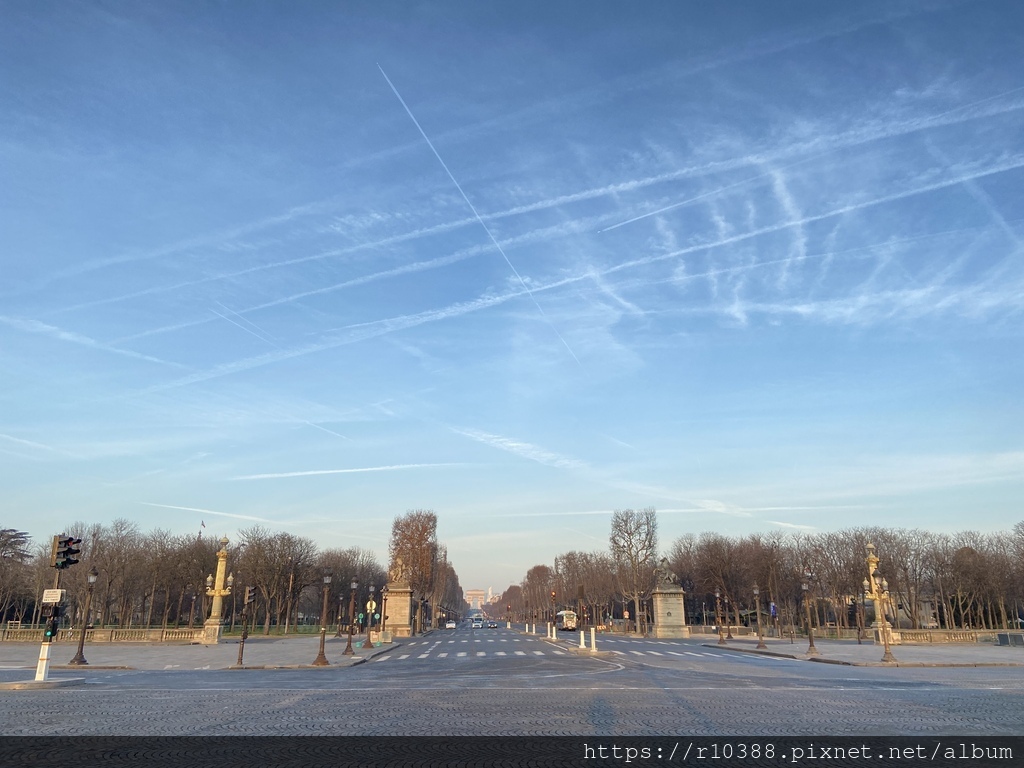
{"type": "Point", "coordinates": [648, 687]}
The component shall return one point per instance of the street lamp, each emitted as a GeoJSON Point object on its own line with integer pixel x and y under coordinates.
{"type": "Point", "coordinates": [371, 605]}
{"type": "Point", "coordinates": [80, 656]}
{"type": "Point", "coordinates": [321, 659]}
{"type": "Point", "coordinates": [757, 607]}
{"type": "Point", "coordinates": [351, 615]}
{"type": "Point", "coordinates": [811, 650]}
{"type": "Point", "coordinates": [383, 609]}
{"type": "Point", "coordinates": [882, 589]}
{"type": "Point", "coordinates": [725, 617]}
{"type": "Point", "coordinates": [718, 615]}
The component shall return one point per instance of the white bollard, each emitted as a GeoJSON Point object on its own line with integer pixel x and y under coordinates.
{"type": "Point", "coordinates": [593, 641]}
{"type": "Point", "coordinates": [583, 642]}
{"type": "Point", "coordinates": [43, 668]}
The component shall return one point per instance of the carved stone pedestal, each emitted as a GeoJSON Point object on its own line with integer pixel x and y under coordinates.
{"type": "Point", "coordinates": [669, 613]}
{"type": "Point", "coordinates": [669, 608]}
{"type": "Point", "coordinates": [399, 610]}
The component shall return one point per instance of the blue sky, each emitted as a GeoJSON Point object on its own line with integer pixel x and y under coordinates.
{"type": "Point", "coordinates": [760, 267]}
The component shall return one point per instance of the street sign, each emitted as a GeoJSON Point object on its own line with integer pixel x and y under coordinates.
{"type": "Point", "coordinates": [361, 616]}
{"type": "Point", "coordinates": [53, 596]}
{"type": "Point", "coordinates": [371, 606]}
{"type": "Point", "coordinates": [376, 615]}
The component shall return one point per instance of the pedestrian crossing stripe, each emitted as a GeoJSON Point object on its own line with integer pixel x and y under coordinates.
{"type": "Point", "coordinates": [441, 655]}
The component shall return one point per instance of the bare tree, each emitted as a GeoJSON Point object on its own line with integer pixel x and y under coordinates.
{"type": "Point", "coordinates": [414, 541]}
{"type": "Point", "coordinates": [15, 586]}
{"type": "Point", "coordinates": [634, 547]}
{"type": "Point", "coordinates": [414, 544]}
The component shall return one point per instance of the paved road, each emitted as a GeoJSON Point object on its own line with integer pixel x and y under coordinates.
{"type": "Point", "coordinates": [500, 682]}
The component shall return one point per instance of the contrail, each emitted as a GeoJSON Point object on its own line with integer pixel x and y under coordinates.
{"type": "Point", "coordinates": [476, 214]}
{"type": "Point", "coordinates": [239, 325]}
{"type": "Point", "coordinates": [210, 512]}
{"type": "Point", "coordinates": [329, 431]}
{"type": "Point", "coordinates": [246, 320]}
{"type": "Point", "coordinates": [312, 472]}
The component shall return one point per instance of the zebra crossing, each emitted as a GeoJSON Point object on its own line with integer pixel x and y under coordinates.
{"type": "Point", "coordinates": [703, 654]}
{"type": "Point", "coordinates": [505, 647]}
{"type": "Point", "coordinates": [439, 649]}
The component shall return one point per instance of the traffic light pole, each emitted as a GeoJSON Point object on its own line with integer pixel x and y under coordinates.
{"type": "Point", "coordinates": [43, 667]}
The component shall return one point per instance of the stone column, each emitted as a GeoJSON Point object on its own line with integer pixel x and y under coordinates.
{"type": "Point", "coordinates": [212, 626]}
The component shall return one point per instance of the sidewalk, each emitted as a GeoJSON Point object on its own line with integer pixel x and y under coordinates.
{"type": "Point", "coordinates": [868, 654]}
{"type": "Point", "coordinates": [846, 652]}
{"type": "Point", "coordinates": [261, 652]}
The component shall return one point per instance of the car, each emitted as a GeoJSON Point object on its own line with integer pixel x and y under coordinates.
{"type": "Point", "coordinates": [450, 625]}
{"type": "Point", "coordinates": [478, 623]}
{"type": "Point", "coordinates": [492, 625]}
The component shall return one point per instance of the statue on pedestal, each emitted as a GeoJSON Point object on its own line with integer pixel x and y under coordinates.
{"type": "Point", "coordinates": [664, 576]}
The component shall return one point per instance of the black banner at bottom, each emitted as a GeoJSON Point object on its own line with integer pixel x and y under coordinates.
{"type": "Point", "coordinates": [509, 751]}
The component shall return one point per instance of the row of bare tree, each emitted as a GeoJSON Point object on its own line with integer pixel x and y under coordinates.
{"type": "Point", "coordinates": [964, 580]}
{"type": "Point", "coordinates": [159, 579]}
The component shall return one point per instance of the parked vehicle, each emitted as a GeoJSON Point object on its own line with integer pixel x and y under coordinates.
{"type": "Point", "coordinates": [565, 620]}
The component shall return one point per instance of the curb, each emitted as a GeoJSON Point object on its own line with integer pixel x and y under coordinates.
{"type": "Point", "coordinates": [24, 685]}
{"type": "Point", "coordinates": [842, 662]}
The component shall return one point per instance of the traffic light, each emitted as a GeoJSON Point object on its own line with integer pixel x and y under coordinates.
{"type": "Point", "coordinates": [64, 550]}
{"type": "Point", "coordinates": [52, 624]}
{"type": "Point", "coordinates": [250, 594]}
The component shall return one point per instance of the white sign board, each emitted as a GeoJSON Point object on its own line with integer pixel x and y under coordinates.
{"type": "Point", "coordinates": [53, 596]}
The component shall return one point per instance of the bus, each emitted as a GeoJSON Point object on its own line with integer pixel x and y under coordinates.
{"type": "Point", "coordinates": [565, 620]}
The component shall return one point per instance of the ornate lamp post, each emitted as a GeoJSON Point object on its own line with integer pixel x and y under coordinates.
{"type": "Point", "coordinates": [725, 616]}
{"type": "Point", "coordinates": [718, 615]}
{"type": "Point", "coordinates": [757, 607]}
{"type": "Point", "coordinates": [811, 650]}
{"type": "Point", "coordinates": [371, 606]}
{"type": "Point", "coordinates": [80, 657]}
{"type": "Point", "coordinates": [351, 615]}
{"type": "Point", "coordinates": [876, 589]}
{"type": "Point", "coordinates": [321, 659]}
{"type": "Point", "coordinates": [383, 610]}
{"type": "Point", "coordinates": [880, 594]}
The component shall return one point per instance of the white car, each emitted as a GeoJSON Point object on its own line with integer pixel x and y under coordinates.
{"type": "Point", "coordinates": [478, 624]}
{"type": "Point", "coordinates": [450, 625]}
